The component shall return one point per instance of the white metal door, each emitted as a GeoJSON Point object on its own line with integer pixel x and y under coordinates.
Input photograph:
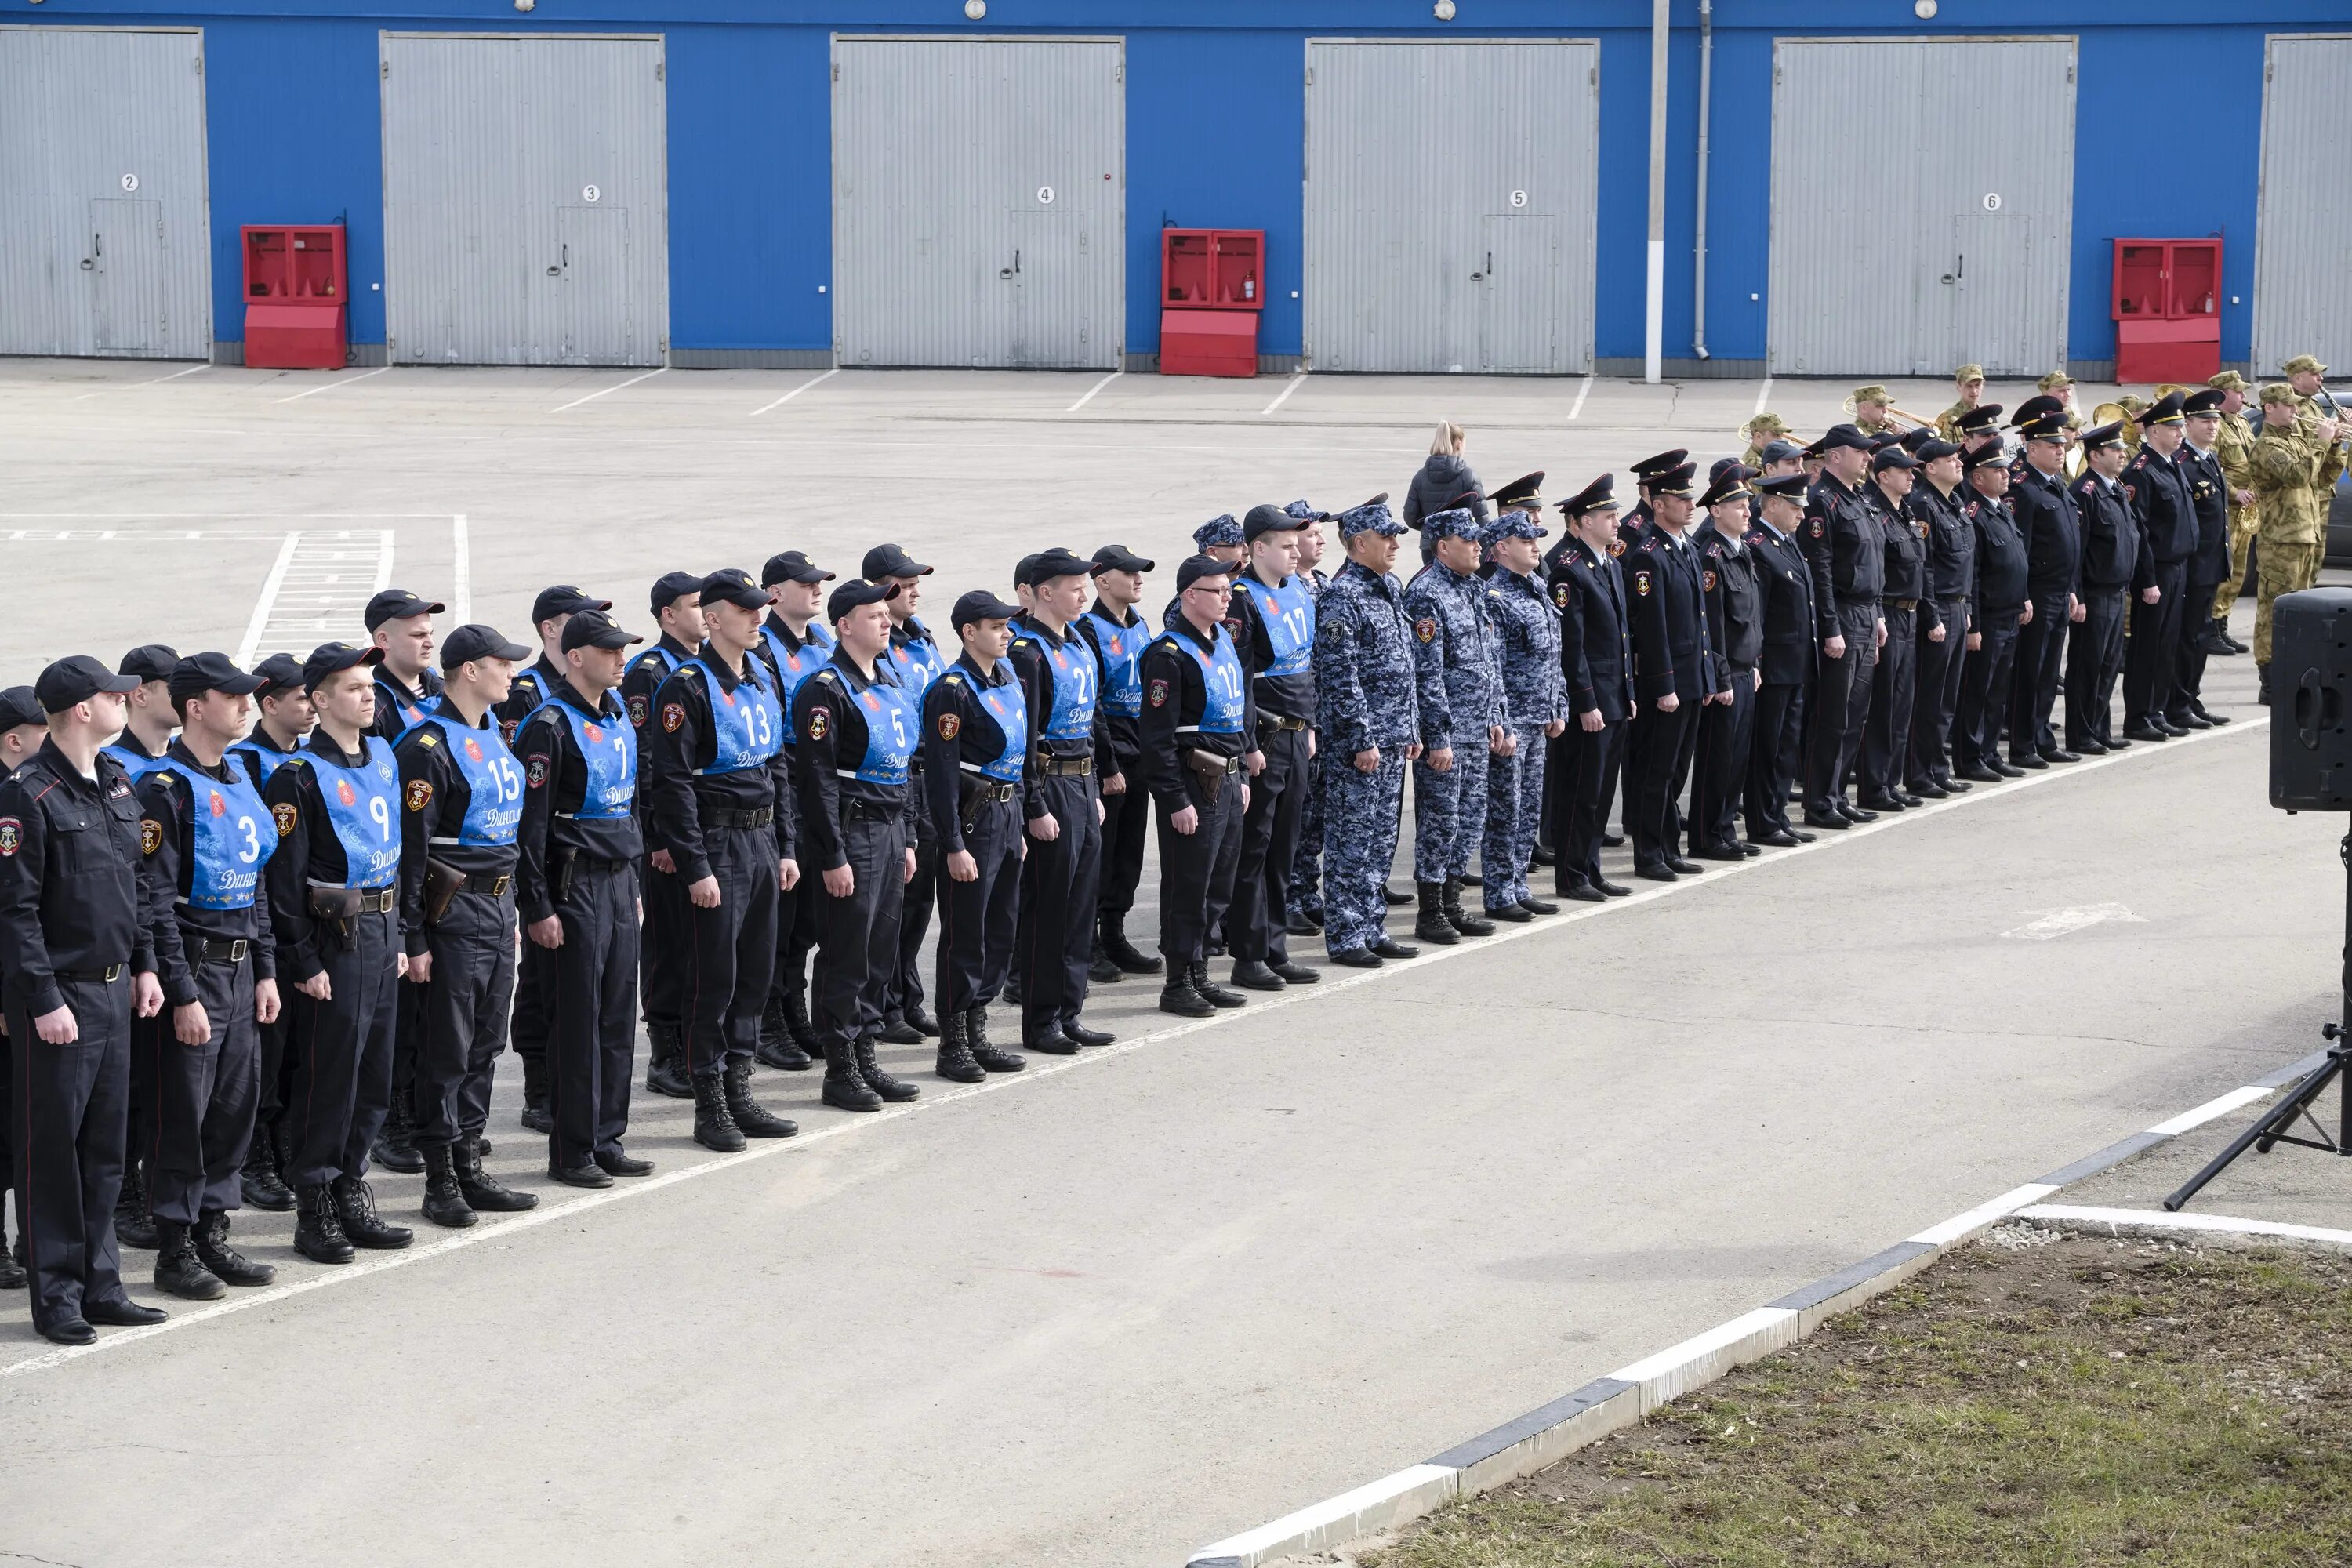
{"type": "Point", "coordinates": [2303, 249]}
{"type": "Point", "coordinates": [597, 285]}
{"type": "Point", "coordinates": [126, 274]}
{"type": "Point", "coordinates": [1519, 300]}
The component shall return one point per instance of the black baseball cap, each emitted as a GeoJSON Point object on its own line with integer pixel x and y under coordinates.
{"type": "Point", "coordinates": [1119, 558]}
{"type": "Point", "coordinates": [1892, 457]}
{"type": "Point", "coordinates": [397, 605]}
{"type": "Point", "coordinates": [1838, 436]}
{"type": "Point", "coordinates": [980, 605]}
{"type": "Point", "coordinates": [280, 673]}
{"type": "Point", "coordinates": [201, 672]}
{"type": "Point", "coordinates": [468, 642]}
{"type": "Point", "coordinates": [1048, 564]}
{"type": "Point", "coordinates": [149, 661]}
{"type": "Point", "coordinates": [1263, 520]}
{"type": "Point", "coordinates": [791, 566]}
{"type": "Point", "coordinates": [734, 586]}
{"type": "Point", "coordinates": [890, 561]}
{"type": "Point", "coordinates": [1195, 567]}
{"type": "Point", "coordinates": [19, 706]}
{"type": "Point", "coordinates": [856, 592]}
{"type": "Point", "coordinates": [563, 600]}
{"type": "Point", "coordinates": [334, 657]}
{"type": "Point", "coordinates": [77, 678]}
{"type": "Point", "coordinates": [1778, 450]}
{"type": "Point", "coordinates": [594, 628]}
{"type": "Point", "coordinates": [672, 587]}
{"type": "Point", "coordinates": [1933, 447]}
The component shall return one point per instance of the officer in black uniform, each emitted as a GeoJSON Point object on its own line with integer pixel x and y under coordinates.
{"type": "Point", "coordinates": [857, 729]}
{"type": "Point", "coordinates": [2209, 565]}
{"type": "Point", "coordinates": [1934, 507]}
{"type": "Point", "coordinates": [1734, 599]}
{"type": "Point", "coordinates": [1053, 946]}
{"type": "Point", "coordinates": [2167, 520]}
{"type": "Point", "coordinates": [1273, 623]}
{"type": "Point", "coordinates": [916, 657]}
{"type": "Point", "coordinates": [2115, 568]}
{"type": "Point", "coordinates": [282, 723]}
{"type": "Point", "coordinates": [796, 643]}
{"type": "Point", "coordinates": [579, 850]}
{"type": "Point", "coordinates": [206, 835]}
{"type": "Point", "coordinates": [1894, 684]}
{"type": "Point", "coordinates": [1596, 654]}
{"type": "Point", "coordinates": [1200, 718]}
{"type": "Point", "coordinates": [334, 900]}
{"type": "Point", "coordinates": [976, 750]}
{"type": "Point", "coordinates": [1789, 661]}
{"type": "Point", "coordinates": [75, 953]}
{"type": "Point", "coordinates": [666, 946]}
{"type": "Point", "coordinates": [461, 796]}
{"type": "Point", "coordinates": [1118, 635]}
{"type": "Point", "coordinates": [146, 734]}
{"type": "Point", "coordinates": [1646, 479]}
{"type": "Point", "coordinates": [2002, 603]}
{"type": "Point", "coordinates": [1846, 551]}
{"type": "Point", "coordinates": [2053, 550]}
{"type": "Point", "coordinates": [723, 808]}
{"type": "Point", "coordinates": [22, 728]}
{"type": "Point", "coordinates": [1673, 675]}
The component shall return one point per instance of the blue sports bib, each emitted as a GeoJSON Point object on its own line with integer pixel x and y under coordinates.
{"type": "Point", "coordinates": [363, 808]}
{"type": "Point", "coordinates": [493, 781]}
{"type": "Point", "coordinates": [746, 725]}
{"type": "Point", "coordinates": [1288, 613]}
{"type": "Point", "coordinates": [1122, 656]}
{"type": "Point", "coordinates": [1220, 681]}
{"type": "Point", "coordinates": [232, 838]}
{"type": "Point", "coordinates": [1008, 704]}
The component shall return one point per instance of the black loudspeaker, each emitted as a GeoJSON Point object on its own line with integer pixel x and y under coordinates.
{"type": "Point", "coordinates": [2311, 694]}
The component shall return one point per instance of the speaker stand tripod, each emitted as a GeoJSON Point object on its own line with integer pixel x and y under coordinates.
{"type": "Point", "coordinates": [2275, 1125]}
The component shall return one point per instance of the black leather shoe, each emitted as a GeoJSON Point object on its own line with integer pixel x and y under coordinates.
{"type": "Point", "coordinates": [1719, 852]}
{"type": "Point", "coordinates": [1584, 893]}
{"type": "Point", "coordinates": [133, 1226]}
{"type": "Point", "coordinates": [1216, 995]}
{"type": "Point", "coordinates": [1612, 889]}
{"type": "Point", "coordinates": [1358, 958]}
{"type": "Point", "coordinates": [1856, 812]}
{"type": "Point", "coordinates": [1470, 880]}
{"type": "Point", "coordinates": [954, 1060]}
{"type": "Point", "coordinates": [1073, 1030]}
{"type": "Point", "coordinates": [1111, 928]}
{"type": "Point", "coordinates": [714, 1127]}
{"type": "Point", "coordinates": [1953, 785]}
{"type": "Point", "coordinates": [1613, 840]}
{"type": "Point", "coordinates": [178, 1271]}
{"type": "Point", "coordinates": [985, 1051]}
{"type": "Point", "coordinates": [1778, 838]}
{"type": "Point", "coordinates": [843, 1088]}
{"type": "Point", "coordinates": [1910, 800]}
{"type": "Point", "coordinates": [259, 1182]}
{"type": "Point", "coordinates": [1682, 867]}
{"type": "Point", "coordinates": [445, 1205]}
{"type": "Point", "coordinates": [1929, 789]}
{"type": "Point", "coordinates": [1393, 898]}
{"type": "Point", "coordinates": [318, 1228]}
{"type": "Point", "coordinates": [355, 1206]}
{"type": "Point", "coordinates": [2061, 755]}
{"type": "Point", "coordinates": [12, 1273]}
{"type": "Point", "coordinates": [1251, 974]}
{"type": "Point", "coordinates": [578, 1175]}
{"type": "Point", "coordinates": [2087, 748]}
{"type": "Point", "coordinates": [1978, 772]}
{"type": "Point", "coordinates": [1459, 918]}
{"type": "Point", "coordinates": [2187, 721]}
{"type": "Point", "coordinates": [1433, 927]}
{"type": "Point", "coordinates": [1536, 906]}
{"type": "Point", "coordinates": [395, 1144]}
{"type": "Point", "coordinates": [1388, 947]}
{"type": "Point", "coordinates": [2032, 761]}
{"type": "Point", "coordinates": [1544, 855]}
{"type": "Point", "coordinates": [621, 1163]}
{"type": "Point", "coordinates": [1178, 997]}
{"type": "Point", "coordinates": [70, 1332]}
{"type": "Point", "coordinates": [1746, 851]}
{"type": "Point", "coordinates": [1101, 971]}
{"type": "Point", "coordinates": [2007, 770]}
{"type": "Point", "coordinates": [122, 1313]}
{"type": "Point", "coordinates": [2215, 719]}
{"type": "Point", "coordinates": [1829, 821]}
{"type": "Point", "coordinates": [1298, 924]}
{"type": "Point", "coordinates": [776, 1048]}
{"type": "Point", "coordinates": [666, 1062]}
{"type": "Point", "coordinates": [2147, 732]}
{"type": "Point", "coordinates": [536, 1117]}
{"type": "Point", "coordinates": [1294, 973]}
{"type": "Point", "coordinates": [1050, 1041]}
{"type": "Point", "coordinates": [898, 1032]}
{"type": "Point", "coordinates": [1881, 803]}
{"type": "Point", "coordinates": [922, 1022]}
{"type": "Point", "coordinates": [1512, 913]}
{"type": "Point", "coordinates": [1657, 873]}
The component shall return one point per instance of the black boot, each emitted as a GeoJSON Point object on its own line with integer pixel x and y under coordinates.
{"type": "Point", "coordinates": [264, 1188]}
{"type": "Point", "coordinates": [797, 1020]}
{"type": "Point", "coordinates": [12, 1273]}
{"type": "Point", "coordinates": [1433, 926]}
{"type": "Point", "coordinates": [983, 1051]}
{"type": "Point", "coordinates": [319, 1228]}
{"type": "Point", "coordinates": [666, 1062]}
{"type": "Point", "coordinates": [1460, 919]}
{"type": "Point", "coordinates": [845, 1089]}
{"type": "Point", "coordinates": [178, 1273]}
{"type": "Point", "coordinates": [2263, 684]}
{"type": "Point", "coordinates": [355, 1207]}
{"type": "Point", "coordinates": [753, 1120]}
{"type": "Point", "coordinates": [714, 1126]}
{"type": "Point", "coordinates": [1100, 970]}
{"type": "Point", "coordinates": [536, 1115]}
{"type": "Point", "coordinates": [922, 1022]}
{"type": "Point", "coordinates": [233, 1267]}
{"type": "Point", "coordinates": [1216, 995]}
{"type": "Point", "coordinates": [482, 1192]}
{"type": "Point", "coordinates": [1179, 997]}
{"type": "Point", "coordinates": [890, 1088]}
{"type": "Point", "coordinates": [395, 1141]}
{"type": "Point", "coordinates": [445, 1205]}
{"type": "Point", "coordinates": [133, 1226]}
{"type": "Point", "coordinates": [1110, 925]}
{"type": "Point", "coordinates": [776, 1048]}
{"type": "Point", "coordinates": [955, 1061]}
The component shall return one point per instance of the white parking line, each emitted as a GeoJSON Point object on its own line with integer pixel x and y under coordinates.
{"type": "Point", "coordinates": [608, 391]}
{"type": "Point", "coordinates": [130, 386]}
{"type": "Point", "coordinates": [330, 385]}
{"type": "Point", "coordinates": [1763, 395]}
{"type": "Point", "coordinates": [1286, 395]}
{"type": "Point", "coordinates": [461, 575]}
{"type": "Point", "coordinates": [1098, 386]}
{"type": "Point", "coordinates": [268, 600]}
{"type": "Point", "coordinates": [795, 392]}
{"type": "Point", "coordinates": [1582, 394]}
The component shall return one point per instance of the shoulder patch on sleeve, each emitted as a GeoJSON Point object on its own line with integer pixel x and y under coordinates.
{"type": "Point", "coordinates": [1706, 581]}
{"type": "Point", "coordinates": [819, 722]}
{"type": "Point", "coordinates": [151, 835]}
{"type": "Point", "coordinates": [950, 723]}
{"type": "Point", "coordinates": [1642, 581]}
{"type": "Point", "coordinates": [534, 769]}
{"type": "Point", "coordinates": [1559, 595]}
{"type": "Point", "coordinates": [12, 836]}
{"type": "Point", "coordinates": [283, 811]}
{"type": "Point", "coordinates": [637, 710]}
{"type": "Point", "coordinates": [1158, 698]}
{"type": "Point", "coordinates": [420, 794]}
{"type": "Point", "coordinates": [673, 716]}
{"type": "Point", "coordinates": [1425, 629]}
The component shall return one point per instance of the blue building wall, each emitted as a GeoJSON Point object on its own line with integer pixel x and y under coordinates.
{"type": "Point", "coordinates": [1216, 137]}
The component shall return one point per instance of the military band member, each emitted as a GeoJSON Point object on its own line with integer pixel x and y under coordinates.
{"type": "Point", "coordinates": [1844, 550]}
{"type": "Point", "coordinates": [2233, 447]}
{"type": "Point", "coordinates": [1364, 711]}
{"type": "Point", "coordinates": [796, 642]}
{"type": "Point", "coordinates": [1937, 505]}
{"type": "Point", "coordinates": [1118, 634]}
{"type": "Point", "coordinates": [1871, 408]}
{"type": "Point", "coordinates": [1970, 381]}
{"type": "Point", "coordinates": [1733, 595]}
{"type": "Point", "coordinates": [666, 944]}
{"type": "Point", "coordinates": [2294, 465]}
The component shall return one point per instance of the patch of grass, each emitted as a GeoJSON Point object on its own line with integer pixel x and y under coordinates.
{"type": "Point", "coordinates": [2076, 1404]}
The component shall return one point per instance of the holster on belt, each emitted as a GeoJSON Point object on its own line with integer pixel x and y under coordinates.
{"type": "Point", "coordinates": [442, 882]}
{"type": "Point", "coordinates": [971, 801]}
{"type": "Point", "coordinates": [336, 908]}
{"type": "Point", "coordinates": [1212, 769]}
{"type": "Point", "coordinates": [561, 869]}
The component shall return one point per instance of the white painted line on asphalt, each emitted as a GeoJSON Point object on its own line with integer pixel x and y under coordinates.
{"type": "Point", "coordinates": [2209, 1224]}
{"type": "Point", "coordinates": [262, 606]}
{"type": "Point", "coordinates": [134, 385]}
{"type": "Point", "coordinates": [795, 392]}
{"type": "Point", "coordinates": [330, 385]}
{"type": "Point", "coordinates": [608, 391]}
{"type": "Point", "coordinates": [1098, 386]}
{"type": "Point", "coordinates": [1983, 1214]}
{"type": "Point", "coordinates": [934, 1097]}
{"type": "Point", "coordinates": [1582, 394]}
{"type": "Point", "coordinates": [461, 573]}
{"type": "Point", "coordinates": [2055, 924]}
{"type": "Point", "coordinates": [382, 562]}
{"type": "Point", "coordinates": [2212, 1110]}
{"type": "Point", "coordinates": [1763, 395]}
{"type": "Point", "coordinates": [1284, 397]}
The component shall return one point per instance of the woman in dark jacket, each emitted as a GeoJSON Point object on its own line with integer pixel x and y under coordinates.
{"type": "Point", "coordinates": [1444, 479]}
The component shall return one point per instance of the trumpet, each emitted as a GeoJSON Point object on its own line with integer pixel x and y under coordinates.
{"type": "Point", "coordinates": [1892, 413]}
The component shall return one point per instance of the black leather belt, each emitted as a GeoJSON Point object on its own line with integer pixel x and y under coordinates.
{"type": "Point", "coordinates": [1054, 767]}
{"type": "Point", "coordinates": [733, 817]}
{"type": "Point", "coordinates": [1279, 722]}
{"type": "Point", "coordinates": [494, 884]}
{"type": "Point", "coordinates": [106, 976]}
{"type": "Point", "coordinates": [1905, 604]}
{"type": "Point", "coordinates": [205, 950]}
{"type": "Point", "coordinates": [997, 790]}
{"type": "Point", "coordinates": [378, 900]}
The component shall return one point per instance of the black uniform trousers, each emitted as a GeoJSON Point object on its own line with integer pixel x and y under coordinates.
{"type": "Point", "coordinates": [1658, 751]}
{"type": "Point", "coordinates": [799, 920]}
{"type": "Point", "coordinates": [593, 1035]}
{"type": "Point", "coordinates": [1986, 677]}
{"type": "Point", "coordinates": [1840, 708]}
{"type": "Point", "coordinates": [1126, 823]}
{"type": "Point", "coordinates": [69, 1106]}
{"type": "Point", "coordinates": [274, 1068]}
{"type": "Point", "coordinates": [1727, 734]}
{"type": "Point", "coordinates": [1306, 890]}
{"type": "Point", "coordinates": [665, 948]}
{"type": "Point", "coordinates": [342, 1053]}
{"type": "Point", "coordinates": [204, 1101]}
{"type": "Point", "coordinates": [2150, 669]}
{"type": "Point", "coordinates": [915, 917]}
{"type": "Point", "coordinates": [1193, 867]}
{"type": "Point", "coordinates": [1052, 945]}
{"type": "Point", "coordinates": [2095, 652]}
{"type": "Point", "coordinates": [977, 918]}
{"type": "Point", "coordinates": [1796, 736]}
{"type": "Point", "coordinates": [1894, 692]}
{"type": "Point", "coordinates": [465, 1015]}
{"type": "Point", "coordinates": [2040, 661]}
{"type": "Point", "coordinates": [147, 1036]}
{"type": "Point", "coordinates": [857, 953]}
{"type": "Point", "coordinates": [2188, 660]}
{"type": "Point", "coordinates": [734, 951]}
{"type": "Point", "coordinates": [1777, 735]}
{"type": "Point", "coordinates": [1582, 785]}
{"type": "Point", "coordinates": [527, 1033]}
{"type": "Point", "coordinates": [1940, 664]}
{"type": "Point", "coordinates": [1258, 925]}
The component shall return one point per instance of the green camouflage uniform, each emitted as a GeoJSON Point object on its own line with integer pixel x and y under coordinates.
{"type": "Point", "coordinates": [2234, 446]}
{"type": "Point", "coordinates": [2293, 474]}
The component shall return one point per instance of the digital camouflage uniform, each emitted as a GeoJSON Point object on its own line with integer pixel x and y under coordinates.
{"type": "Point", "coordinates": [1458, 678]}
{"type": "Point", "coordinates": [1535, 692]}
{"type": "Point", "coordinates": [1363, 700]}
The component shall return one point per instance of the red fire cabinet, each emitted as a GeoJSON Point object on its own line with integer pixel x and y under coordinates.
{"type": "Point", "coordinates": [2166, 306]}
{"type": "Point", "coordinates": [1211, 287]}
{"type": "Point", "coordinates": [297, 314]}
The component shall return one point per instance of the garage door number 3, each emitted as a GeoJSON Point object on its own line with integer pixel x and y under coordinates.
{"type": "Point", "coordinates": [591, 194]}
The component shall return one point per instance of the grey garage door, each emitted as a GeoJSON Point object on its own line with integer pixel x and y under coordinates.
{"type": "Point", "coordinates": [104, 236]}
{"type": "Point", "coordinates": [979, 195]}
{"type": "Point", "coordinates": [526, 203]}
{"type": "Point", "coordinates": [2303, 252]}
{"type": "Point", "coordinates": [1899, 248]}
{"type": "Point", "coordinates": [1450, 201]}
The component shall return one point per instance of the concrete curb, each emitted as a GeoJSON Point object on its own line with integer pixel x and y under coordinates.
{"type": "Point", "coordinates": [1551, 1432]}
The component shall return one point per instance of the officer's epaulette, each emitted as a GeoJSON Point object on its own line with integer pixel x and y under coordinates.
{"type": "Point", "coordinates": [1024, 641]}
{"type": "Point", "coordinates": [825, 674]}
{"type": "Point", "coordinates": [429, 738]}
{"type": "Point", "coordinates": [952, 678]}
{"type": "Point", "coordinates": [294, 759]}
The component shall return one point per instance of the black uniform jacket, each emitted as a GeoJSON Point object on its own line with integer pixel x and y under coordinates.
{"type": "Point", "coordinates": [70, 895]}
{"type": "Point", "coordinates": [1596, 647]}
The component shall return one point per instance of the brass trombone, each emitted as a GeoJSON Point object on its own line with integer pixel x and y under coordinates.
{"type": "Point", "coordinates": [1892, 413]}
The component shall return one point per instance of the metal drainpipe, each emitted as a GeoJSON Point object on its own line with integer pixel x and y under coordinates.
{"type": "Point", "coordinates": [1698, 259]}
{"type": "Point", "coordinates": [1653, 331]}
